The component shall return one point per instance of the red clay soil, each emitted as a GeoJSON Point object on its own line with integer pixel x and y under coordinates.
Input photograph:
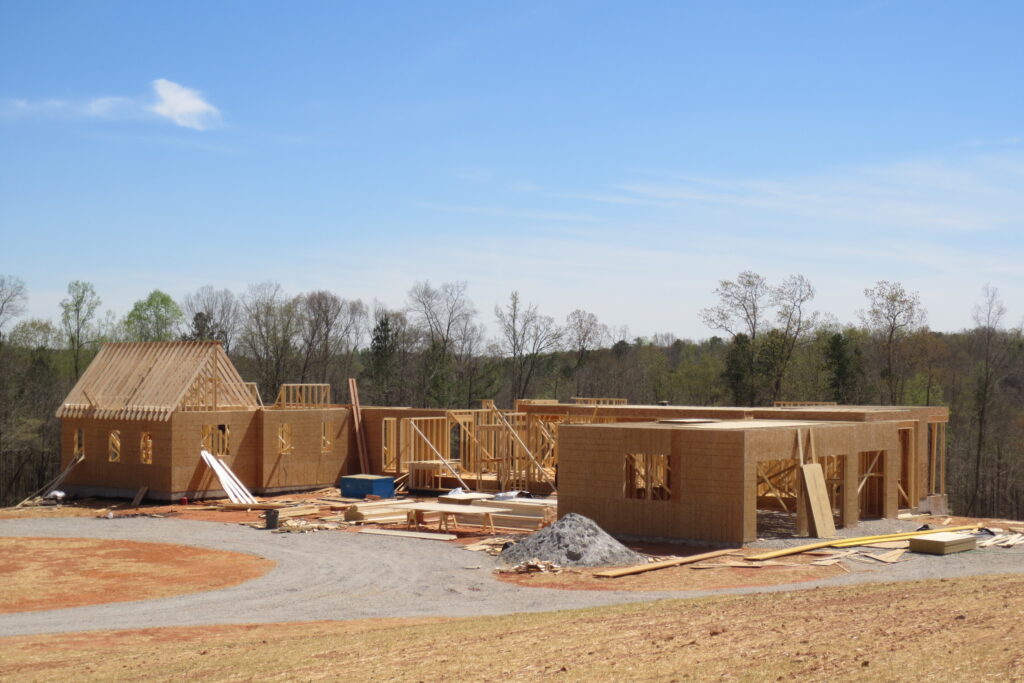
{"type": "Point", "coordinates": [49, 573]}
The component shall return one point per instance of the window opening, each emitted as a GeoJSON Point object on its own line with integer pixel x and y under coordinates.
{"type": "Point", "coordinates": [146, 448]}
{"type": "Point", "coordinates": [114, 443]}
{"type": "Point", "coordinates": [326, 437]}
{"type": "Point", "coordinates": [284, 439]}
{"type": "Point", "coordinates": [217, 439]}
{"type": "Point", "coordinates": [647, 476]}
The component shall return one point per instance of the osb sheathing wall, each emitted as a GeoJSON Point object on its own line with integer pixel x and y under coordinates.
{"type": "Point", "coordinates": [120, 478]}
{"type": "Point", "coordinates": [713, 474]}
{"type": "Point", "coordinates": [308, 463]}
{"type": "Point", "coordinates": [189, 474]}
{"type": "Point", "coordinates": [707, 481]}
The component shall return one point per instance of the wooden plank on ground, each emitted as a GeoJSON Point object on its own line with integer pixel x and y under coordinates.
{"type": "Point", "coordinates": [651, 566]}
{"type": "Point", "coordinates": [410, 534]}
{"type": "Point", "coordinates": [822, 524]}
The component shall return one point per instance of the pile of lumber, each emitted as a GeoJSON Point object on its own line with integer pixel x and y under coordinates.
{"type": "Point", "coordinates": [376, 512]}
{"type": "Point", "coordinates": [526, 513]}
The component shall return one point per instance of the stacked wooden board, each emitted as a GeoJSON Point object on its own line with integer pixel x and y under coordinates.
{"type": "Point", "coordinates": [521, 513]}
{"type": "Point", "coordinates": [945, 543]}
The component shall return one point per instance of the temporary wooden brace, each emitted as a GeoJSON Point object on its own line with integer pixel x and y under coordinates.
{"type": "Point", "coordinates": [526, 450]}
{"type": "Point", "coordinates": [139, 495]}
{"type": "Point", "coordinates": [441, 458]}
{"type": "Point", "coordinates": [357, 425]}
{"type": "Point", "coordinates": [56, 480]}
{"type": "Point", "coordinates": [674, 562]}
{"type": "Point", "coordinates": [848, 542]}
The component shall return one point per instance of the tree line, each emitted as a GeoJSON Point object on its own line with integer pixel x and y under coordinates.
{"type": "Point", "coordinates": [768, 344]}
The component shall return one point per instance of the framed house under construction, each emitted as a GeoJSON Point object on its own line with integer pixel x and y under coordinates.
{"type": "Point", "coordinates": [141, 414]}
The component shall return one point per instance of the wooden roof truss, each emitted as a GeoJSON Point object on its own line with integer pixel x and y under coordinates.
{"type": "Point", "coordinates": [152, 380]}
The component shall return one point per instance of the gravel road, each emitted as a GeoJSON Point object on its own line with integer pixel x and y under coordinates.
{"type": "Point", "coordinates": [332, 575]}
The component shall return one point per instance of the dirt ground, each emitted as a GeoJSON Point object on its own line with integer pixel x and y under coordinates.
{"type": "Point", "coordinates": [955, 629]}
{"type": "Point", "coordinates": [46, 573]}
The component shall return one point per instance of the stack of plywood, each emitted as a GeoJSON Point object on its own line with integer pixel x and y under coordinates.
{"type": "Point", "coordinates": [377, 512]}
{"type": "Point", "coordinates": [526, 513]}
{"type": "Point", "coordinates": [944, 543]}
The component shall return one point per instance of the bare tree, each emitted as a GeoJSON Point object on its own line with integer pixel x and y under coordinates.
{"type": "Point", "coordinates": [992, 347]}
{"type": "Point", "coordinates": [213, 314]}
{"type": "Point", "coordinates": [329, 332]}
{"type": "Point", "coordinates": [762, 351]}
{"type": "Point", "coordinates": [795, 323]}
{"type": "Point", "coordinates": [893, 316]}
{"type": "Point", "coordinates": [442, 313]}
{"type": "Point", "coordinates": [12, 300]}
{"type": "Point", "coordinates": [741, 305]}
{"type": "Point", "coordinates": [77, 314]}
{"type": "Point", "coordinates": [583, 334]}
{"type": "Point", "coordinates": [526, 336]}
{"type": "Point", "coordinates": [269, 335]}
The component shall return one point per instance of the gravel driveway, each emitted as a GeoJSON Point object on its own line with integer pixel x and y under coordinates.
{"type": "Point", "coordinates": [333, 575]}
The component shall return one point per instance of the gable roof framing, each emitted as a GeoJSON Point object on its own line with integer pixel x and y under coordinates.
{"type": "Point", "coordinates": [152, 380]}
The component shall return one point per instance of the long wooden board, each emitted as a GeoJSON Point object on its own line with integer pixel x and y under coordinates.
{"type": "Point", "coordinates": [822, 525]}
{"type": "Point", "coordinates": [651, 566]}
{"type": "Point", "coordinates": [410, 534]}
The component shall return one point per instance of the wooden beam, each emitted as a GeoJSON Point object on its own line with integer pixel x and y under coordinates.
{"type": "Point", "coordinates": [651, 566]}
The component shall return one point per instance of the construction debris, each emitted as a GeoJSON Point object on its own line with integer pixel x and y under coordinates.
{"type": "Point", "coordinates": [532, 566]}
{"type": "Point", "coordinates": [858, 541]}
{"type": "Point", "coordinates": [491, 546]}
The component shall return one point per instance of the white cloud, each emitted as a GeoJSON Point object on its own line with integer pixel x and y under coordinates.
{"type": "Point", "coordinates": [110, 107]}
{"type": "Point", "coordinates": [185, 106]}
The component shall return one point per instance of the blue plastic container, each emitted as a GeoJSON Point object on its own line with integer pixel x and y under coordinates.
{"type": "Point", "coordinates": [362, 485]}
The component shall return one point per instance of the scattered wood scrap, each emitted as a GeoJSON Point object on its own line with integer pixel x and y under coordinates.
{"type": "Point", "coordinates": [533, 566]}
{"type": "Point", "coordinates": [491, 546]}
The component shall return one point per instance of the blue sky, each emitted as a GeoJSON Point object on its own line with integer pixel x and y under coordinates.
{"type": "Point", "coordinates": [616, 157]}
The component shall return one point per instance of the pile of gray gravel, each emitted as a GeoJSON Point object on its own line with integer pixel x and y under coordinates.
{"type": "Point", "coordinates": [573, 541]}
